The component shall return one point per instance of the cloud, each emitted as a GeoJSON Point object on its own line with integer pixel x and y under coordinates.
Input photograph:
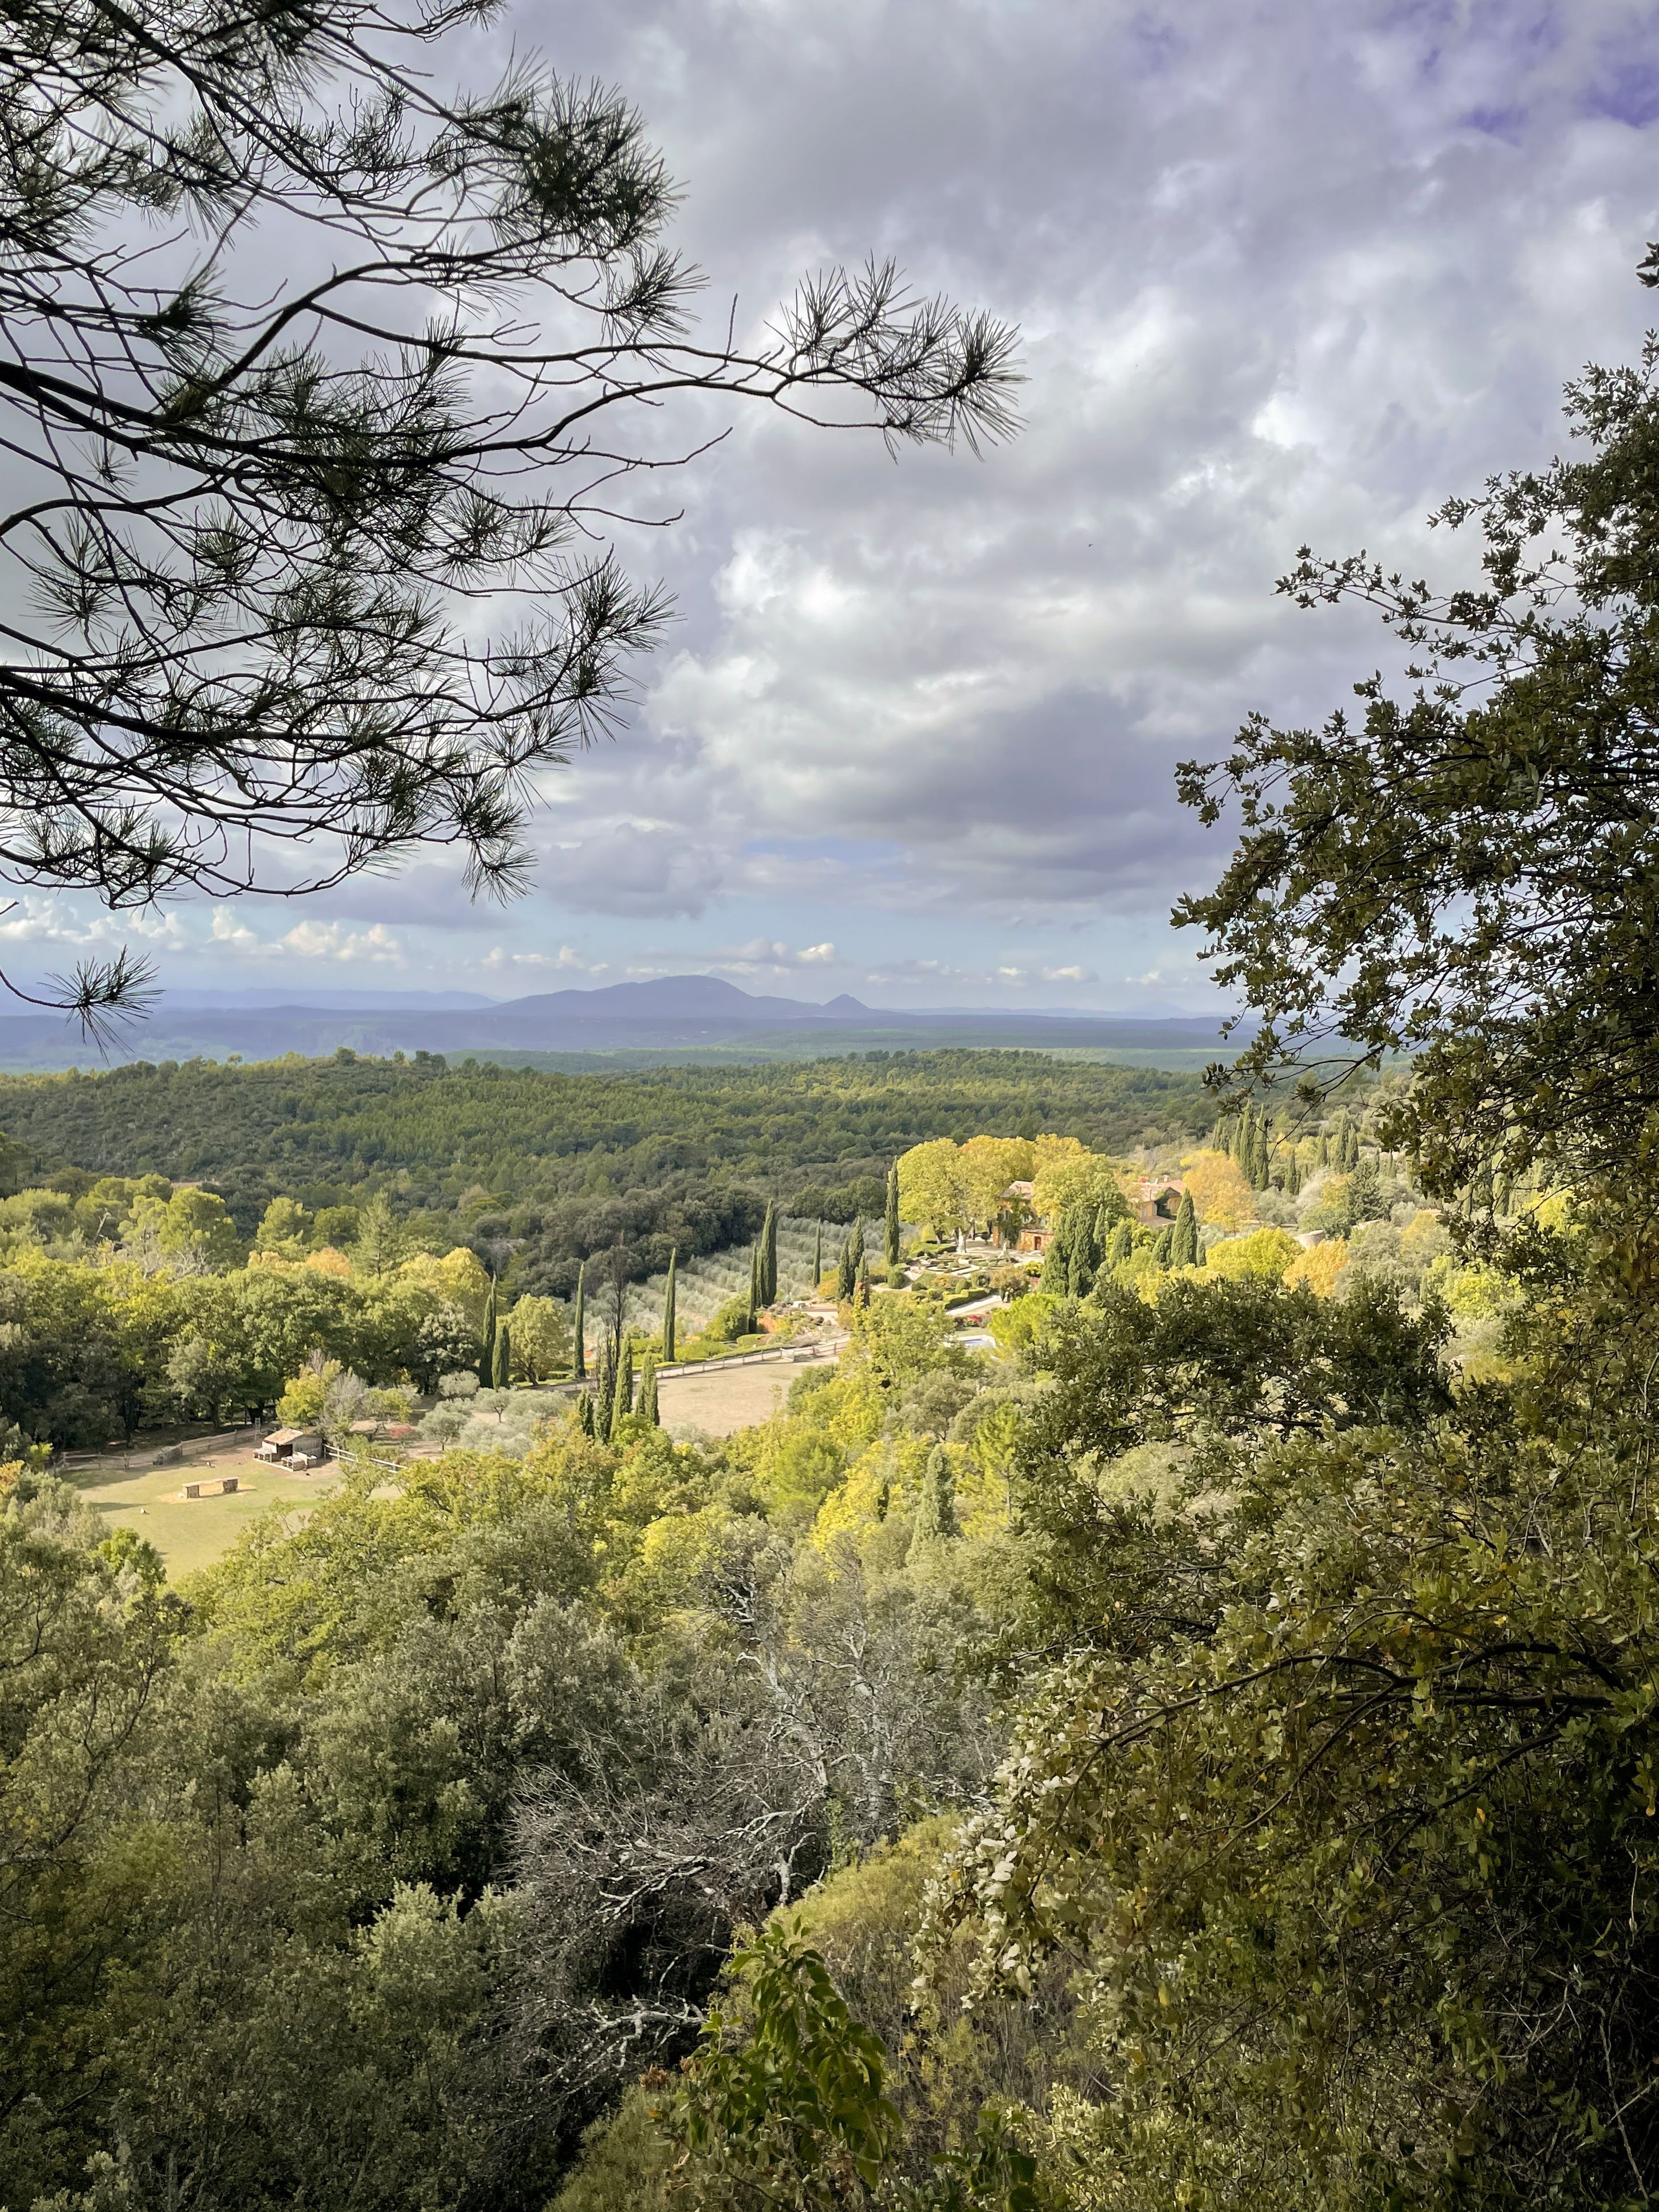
{"type": "Point", "coordinates": [566, 960]}
{"type": "Point", "coordinates": [310, 939]}
{"type": "Point", "coordinates": [331, 941]}
{"type": "Point", "coordinates": [762, 953]}
{"type": "Point", "coordinates": [1287, 272]}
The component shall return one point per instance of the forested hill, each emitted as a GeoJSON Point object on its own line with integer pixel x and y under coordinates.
{"type": "Point", "coordinates": [561, 1165]}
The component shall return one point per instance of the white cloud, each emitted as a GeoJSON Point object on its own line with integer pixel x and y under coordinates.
{"type": "Point", "coordinates": [566, 960]}
{"type": "Point", "coordinates": [331, 941]}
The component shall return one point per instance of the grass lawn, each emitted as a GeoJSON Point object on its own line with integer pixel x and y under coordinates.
{"type": "Point", "coordinates": [191, 1533]}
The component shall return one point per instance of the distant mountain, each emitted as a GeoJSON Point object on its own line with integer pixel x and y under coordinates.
{"type": "Point", "coordinates": [671, 1014]}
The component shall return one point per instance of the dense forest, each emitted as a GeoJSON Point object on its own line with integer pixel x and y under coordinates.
{"type": "Point", "coordinates": [536, 1171]}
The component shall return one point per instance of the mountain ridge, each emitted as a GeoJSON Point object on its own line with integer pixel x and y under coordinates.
{"type": "Point", "coordinates": [673, 1014]}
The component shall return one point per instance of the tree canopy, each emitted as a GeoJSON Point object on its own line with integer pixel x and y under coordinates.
{"type": "Point", "coordinates": [1466, 868]}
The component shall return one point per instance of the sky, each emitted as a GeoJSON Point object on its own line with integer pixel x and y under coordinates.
{"type": "Point", "coordinates": [1287, 272]}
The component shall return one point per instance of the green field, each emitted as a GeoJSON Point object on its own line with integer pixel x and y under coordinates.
{"type": "Point", "coordinates": [191, 1533]}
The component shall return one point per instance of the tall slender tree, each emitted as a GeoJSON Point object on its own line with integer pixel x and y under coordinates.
{"type": "Point", "coordinates": [578, 1324]}
{"type": "Point", "coordinates": [817, 1257]}
{"type": "Point", "coordinates": [622, 1403]}
{"type": "Point", "coordinates": [584, 1412]}
{"type": "Point", "coordinates": [847, 1271]}
{"type": "Point", "coordinates": [892, 1222]}
{"type": "Point", "coordinates": [604, 1391]}
{"type": "Point", "coordinates": [1083, 1258]}
{"type": "Point", "coordinates": [668, 1314]}
{"type": "Point", "coordinates": [1183, 1245]}
{"type": "Point", "coordinates": [769, 1252]}
{"type": "Point", "coordinates": [501, 1357]}
{"type": "Point", "coordinates": [487, 1356]}
{"type": "Point", "coordinates": [935, 1519]}
{"type": "Point", "coordinates": [755, 1299]}
{"type": "Point", "coordinates": [647, 1409]}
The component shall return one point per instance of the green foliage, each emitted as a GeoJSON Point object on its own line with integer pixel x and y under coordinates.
{"type": "Point", "coordinates": [1467, 869]}
{"type": "Point", "coordinates": [783, 2103]}
{"type": "Point", "coordinates": [1368, 1735]}
{"type": "Point", "coordinates": [1183, 1242]}
{"type": "Point", "coordinates": [559, 1166]}
{"type": "Point", "coordinates": [795, 2100]}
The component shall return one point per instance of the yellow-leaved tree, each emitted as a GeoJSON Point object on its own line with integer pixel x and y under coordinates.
{"type": "Point", "coordinates": [1220, 1192]}
{"type": "Point", "coordinates": [931, 1187]}
{"type": "Point", "coordinates": [987, 1165]}
{"type": "Point", "coordinates": [1068, 1174]}
{"type": "Point", "coordinates": [1267, 1252]}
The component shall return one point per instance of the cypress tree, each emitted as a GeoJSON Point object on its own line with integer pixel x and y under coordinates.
{"type": "Point", "coordinates": [755, 1301]}
{"type": "Point", "coordinates": [1324, 1149]}
{"type": "Point", "coordinates": [817, 1258]}
{"type": "Point", "coordinates": [1105, 1225]}
{"type": "Point", "coordinates": [604, 1393]}
{"type": "Point", "coordinates": [584, 1412]}
{"type": "Point", "coordinates": [1163, 1246]}
{"type": "Point", "coordinates": [1080, 1274]}
{"type": "Point", "coordinates": [1122, 1243]}
{"type": "Point", "coordinates": [769, 1256]}
{"type": "Point", "coordinates": [1183, 1238]}
{"type": "Point", "coordinates": [892, 1216]}
{"type": "Point", "coordinates": [623, 1405]}
{"type": "Point", "coordinates": [1057, 1260]}
{"type": "Point", "coordinates": [1261, 1170]}
{"type": "Point", "coordinates": [501, 1357]}
{"type": "Point", "coordinates": [579, 1323]}
{"type": "Point", "coordinates": [862, 1286]}
{"type": "Point", "coordinates": [1293, 1172]}
{"type": "Point", "coordinates": [668, 1309]}
{"type": "Point", "coordinates": [846, 1273]}
{"type": "Point", "coordinates": [487, 1355]}
{"type": "Point", "coordinates": [936, 1505]}
{"type": "Point", "coordinates": [648, 1406]}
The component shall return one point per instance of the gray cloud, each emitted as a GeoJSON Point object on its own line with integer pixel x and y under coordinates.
{"type": "Point", "coordinates": [1288, 273]}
